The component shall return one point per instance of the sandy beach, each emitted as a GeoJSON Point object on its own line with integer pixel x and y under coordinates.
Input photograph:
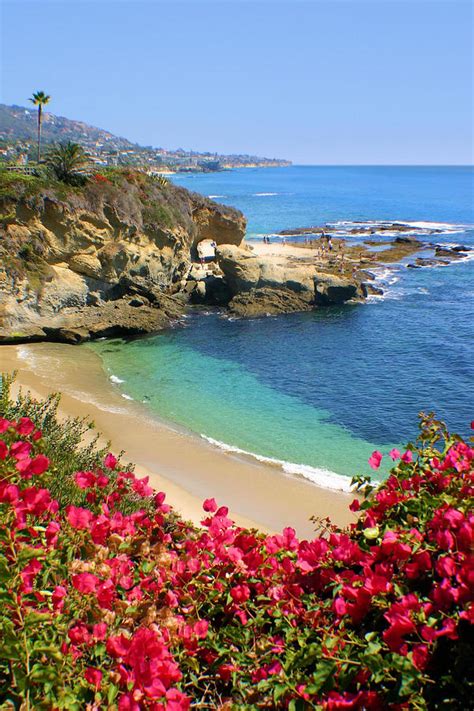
{"type": "Point", "coordinates": [183, 465]}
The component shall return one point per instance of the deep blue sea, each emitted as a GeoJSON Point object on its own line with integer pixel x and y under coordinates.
{"type": "Point", "coordinates": [317, 392]}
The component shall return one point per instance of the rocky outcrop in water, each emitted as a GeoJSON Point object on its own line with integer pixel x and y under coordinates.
{"type": "Point", "coordinates": [260, 285]}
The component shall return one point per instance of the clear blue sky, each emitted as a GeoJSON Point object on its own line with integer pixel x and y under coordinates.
{"type": "Point", "coordinates": [322, 81]}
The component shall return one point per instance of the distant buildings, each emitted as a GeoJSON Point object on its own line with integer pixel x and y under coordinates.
{"type": "Point", "coordinates": [18, 138]}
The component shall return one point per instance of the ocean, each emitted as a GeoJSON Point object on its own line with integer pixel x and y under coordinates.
{"type": "Point", "coordinates": [316, 393]}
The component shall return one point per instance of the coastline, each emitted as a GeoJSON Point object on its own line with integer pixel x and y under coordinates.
{"type": "Point", "coordinates": [186, 467]}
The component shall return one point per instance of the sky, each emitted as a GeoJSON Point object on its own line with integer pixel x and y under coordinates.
{"type": "Point", "coordinates": [317, 81]}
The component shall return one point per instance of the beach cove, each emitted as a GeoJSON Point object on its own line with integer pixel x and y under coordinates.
{"type": "Point", "coordinates": [187, 468]}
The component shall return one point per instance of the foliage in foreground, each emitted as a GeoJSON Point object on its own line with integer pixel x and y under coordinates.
{"type": "Point", "coordinates": [102, 609]}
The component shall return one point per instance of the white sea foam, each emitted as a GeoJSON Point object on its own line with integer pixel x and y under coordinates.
{"type": "Point", "coordinates": [342, 227]}
{"type": "Point", "coordinates": [87, 397]}
{"type": "Point", "coordinates": [320, 476]}
{"type": "Point", "coordinates": [24, 353]}
{"type": "Point", "coordinates": [116, 380]}
{"type": "Point", "coordinates": [264, 194]}
{"type": "Point", "coordinates": [212, 197]}
{"type": "Point", "coordinates": [448, 226]}
{"type": "Point", "coordinates": [126, 397]}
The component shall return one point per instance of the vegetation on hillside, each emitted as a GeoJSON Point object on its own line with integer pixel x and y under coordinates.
{"type": "Point", "coordinates": [109, 600]}
{"type": "Point", "coordinates": [18, 135]}
{"type": "Point", "coordinates": [135, 200]}
{"type": "Point", "coordinates": [67, 162]}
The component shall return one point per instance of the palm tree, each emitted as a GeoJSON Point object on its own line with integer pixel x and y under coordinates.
{"type": "Point", "coordinates": [67, 161]}
{"type": "Point", "coordinates": [39, 99]}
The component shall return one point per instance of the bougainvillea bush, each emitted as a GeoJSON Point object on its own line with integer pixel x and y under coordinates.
{"type": "Point", "coordinates": [106, 606]}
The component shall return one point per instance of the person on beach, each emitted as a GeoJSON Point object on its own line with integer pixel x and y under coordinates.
{"type": "Point", "coordinates": [329, 243]}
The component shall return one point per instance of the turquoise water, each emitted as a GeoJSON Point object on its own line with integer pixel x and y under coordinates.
{"type": "Point", "coordinates": [319, 391]}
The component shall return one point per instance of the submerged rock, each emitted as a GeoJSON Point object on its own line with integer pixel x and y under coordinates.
{"type": "Point", "coordinates": [268, 302]}
{"type": "Point", "coordinates": [451, 252]}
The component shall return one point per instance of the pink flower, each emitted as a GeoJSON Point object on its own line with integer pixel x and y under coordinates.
{"type": "Point", "coordinates": [3, 449]}
{"type": "Point", "coordinates": [27, 467]}
{"type": "Point", "coordinates": [240, 593]}
{"type": "Point", "coordinates": [52, 533]}
{"type": "Point", "coordinates": [37, 501]}
{"type": "Point", "coordinates": [78, 517]}
{"type": "Point", "coordinates": [4, 424]}
{"type": "Point", "coordinates": [25, 426]}
{"type": "Point", "coordinates": [93, 677]}
{"type": "Point", "coordinates": [159, 498]}
{"type": "Point", "coordinates": [375, 459]}
{"type": "Point", "coordinates": [140, 486]}
{"type": "Point", "coordinates": [20, 450]}
{"type": "Point", "coordinates": [57, 598]}
{"type": "Point", "coordinates": [117, 646]}
{"type": "Point", "coordinates": [420, 656]}
{"type": "Point", "coordinates": [29, 573]}
{"type": "Point", "coordinates": [110, 461]}
{"type": "Point", "coordinates": [79, 634]}
{"type": "Point", "coordinates": [394, 454]}
{"type": "Point", "coordinates": [210, 505]}
{"type": "Point", "coordinates": [99, 630]}
{"type": "Point", "coordinates": [407, 457]}
{"type": "Point", "coordinates": [200, 628]}
{"type": "Point", "coordinates": [85, 583]}
{"type": "Point", "coordinates": [85, 480]}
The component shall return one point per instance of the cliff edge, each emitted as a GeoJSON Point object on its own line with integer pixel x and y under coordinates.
{"type": "Point", "coordinates": [108, 258]}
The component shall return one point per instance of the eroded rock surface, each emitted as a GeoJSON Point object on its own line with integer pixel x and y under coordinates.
{"type": "Point", "coordinates": [262, 285]}
{"type": "Point", "coordinates": [69, 257]}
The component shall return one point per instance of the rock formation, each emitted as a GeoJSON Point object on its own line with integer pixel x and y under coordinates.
{"type": "Point", "coordinates": [260, 285]}
{"type": "Point", "coordinates": [67, 254]}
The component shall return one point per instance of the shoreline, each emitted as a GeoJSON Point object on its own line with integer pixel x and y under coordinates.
{"type": "Point", "coordinates": [187, 468]}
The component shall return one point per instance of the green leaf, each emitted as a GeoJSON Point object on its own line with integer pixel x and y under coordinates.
{"type": "Point", "coordinates": [324, 670]}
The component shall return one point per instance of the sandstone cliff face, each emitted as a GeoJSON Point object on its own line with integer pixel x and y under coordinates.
{"type": "Point", "coordinates": [62, 250]}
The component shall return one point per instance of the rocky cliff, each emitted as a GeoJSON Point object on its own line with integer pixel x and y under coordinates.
{"type": "Point", "coordinates": [119, 256]}
{"type": "Point", "coordinates": [112, 256]}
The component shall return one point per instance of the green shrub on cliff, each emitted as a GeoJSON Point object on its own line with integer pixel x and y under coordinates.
{"type": "Point", "coordinates": [72, 443]}
{"type": "Point", "coordinates": [67, 162]}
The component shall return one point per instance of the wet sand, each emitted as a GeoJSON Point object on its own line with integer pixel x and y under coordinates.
{"type": "Point", "coordinates": [183, 465]}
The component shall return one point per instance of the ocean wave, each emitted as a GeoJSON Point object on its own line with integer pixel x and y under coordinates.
{"type": "Point", "coordinates": [212, 197]}
{"type": "Point", "coordinates": [115, 379]}
{"type": "Point", "coordinates": [426, 225]}
{"type": "Point", "coordinates": [24, 353]}
{"type": "Point", "coordinates": [385, 275]}
{"type": "Point", "coordinates": [84, 396]}
{"type": "Point", "coordinates": [416, 227]}
{"type": "Point", "coordinates": [126, 397]}
{"type": "Point", "coordinates": [263, 194]}
{"type": "Point", "coordinates": [318, 475]}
